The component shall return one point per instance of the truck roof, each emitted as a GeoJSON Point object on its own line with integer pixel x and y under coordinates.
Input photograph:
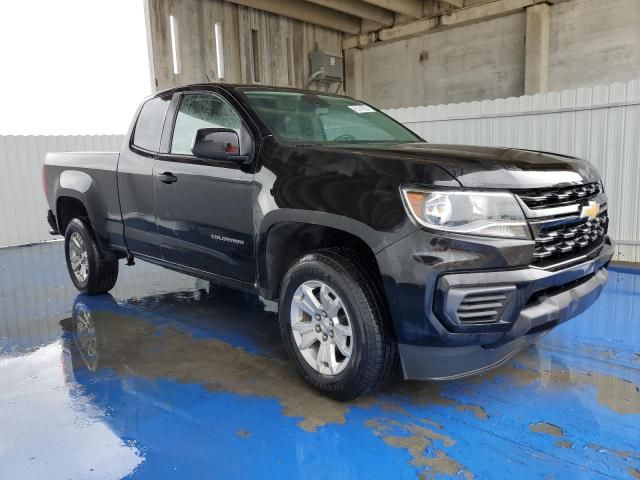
{"type": "Point", "coordinates": [235, 86]}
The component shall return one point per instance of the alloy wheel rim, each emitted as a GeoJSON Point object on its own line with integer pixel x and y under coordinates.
{"type": "Point", "coordinates": [321, 328]}
{"type": "Point", "coordinates": [79, 257]}
{"type": "Point", "coordinates": [85, 337]}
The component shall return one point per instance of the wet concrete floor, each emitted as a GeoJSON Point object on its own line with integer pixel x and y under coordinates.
{"type": "Point", "coordinates": [169, 378]}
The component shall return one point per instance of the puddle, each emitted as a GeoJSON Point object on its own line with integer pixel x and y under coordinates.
{"type": "Point", "coordinates": [133, 346]}
{"type": "Point", "coordinates": [616, 393]}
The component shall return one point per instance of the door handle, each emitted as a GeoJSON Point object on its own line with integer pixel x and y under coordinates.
{"type": "Point", "coordinates": [167, 177]}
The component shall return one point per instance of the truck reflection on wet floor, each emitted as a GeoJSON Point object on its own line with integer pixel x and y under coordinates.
{"type": "Point", "coordinates": [206, 363]}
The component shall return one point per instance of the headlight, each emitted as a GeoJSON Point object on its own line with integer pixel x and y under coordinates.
{"type": "Point", "coordinates": [473, 213]}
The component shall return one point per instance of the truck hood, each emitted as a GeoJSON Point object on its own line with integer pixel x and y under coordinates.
{"type": "Point", "coordinates": [486, 167]}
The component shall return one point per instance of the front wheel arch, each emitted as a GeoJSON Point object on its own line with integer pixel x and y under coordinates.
{"type": "Point", "coordinates": [285, 242]}
{"type": "Point", "coordinates": [375, 355]}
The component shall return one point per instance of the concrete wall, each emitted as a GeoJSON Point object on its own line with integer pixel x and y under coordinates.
{"type": "Point", "coordinates": [483, 60]}
{"type": "Point", "coordinates": [284, 44]}
{"type": "Point", "coordinates": [594, 42]}
{"type": "Point", "coordinates": [586, 43]}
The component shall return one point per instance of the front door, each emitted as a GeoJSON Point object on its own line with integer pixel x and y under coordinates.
{"type": "Point", "coordinates": [204, 207]}
{"type": "Point", "coordinates": [135, 179]}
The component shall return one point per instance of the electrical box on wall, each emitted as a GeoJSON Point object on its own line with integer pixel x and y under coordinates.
{"type": "Point", "coordinates": [330, 65]}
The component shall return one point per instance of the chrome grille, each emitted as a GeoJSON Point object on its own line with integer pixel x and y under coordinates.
{"type": "Point", "coordinates": [559, 196]}
{"type": "Point", "coordinates": [562, 242]}
{"type": "Point", "coordinates": [561, 234]}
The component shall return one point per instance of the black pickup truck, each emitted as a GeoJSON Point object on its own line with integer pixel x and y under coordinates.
{"type": "Point", "coordinates": [379, 247]}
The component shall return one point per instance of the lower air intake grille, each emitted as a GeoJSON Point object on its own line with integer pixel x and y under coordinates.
{"type": "Point", "coordinates": [479, 305]}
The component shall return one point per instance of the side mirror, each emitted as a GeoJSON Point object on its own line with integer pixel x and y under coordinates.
{"type": "Point", "coordinates": [218, 144]}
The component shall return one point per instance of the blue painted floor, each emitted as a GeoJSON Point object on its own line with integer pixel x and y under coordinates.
{"type": "Point", "coordinates": [167, 378]}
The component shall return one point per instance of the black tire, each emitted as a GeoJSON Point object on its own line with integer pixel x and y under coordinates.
{"type": "Point", "coordinates": [374, 353]}
{"type": "Point", "coordinates": [102, 269]}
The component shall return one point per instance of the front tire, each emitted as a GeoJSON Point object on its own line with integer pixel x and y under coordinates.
{"type": "Point", "coordinates": [335, 324]}
{"type": "Point", "coordinates": [90, 270]}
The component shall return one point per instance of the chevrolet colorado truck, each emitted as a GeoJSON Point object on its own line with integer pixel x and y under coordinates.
{"type": "Point", "coordinates": [378, 246]}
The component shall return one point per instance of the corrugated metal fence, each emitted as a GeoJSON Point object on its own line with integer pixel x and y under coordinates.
{"type": "Point", "coordinates": [23, 207]}
{"type": "Point", "coordinates": [601, 124]}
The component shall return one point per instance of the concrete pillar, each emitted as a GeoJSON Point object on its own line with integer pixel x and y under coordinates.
{"type": "Point", "coordinates": [536, 70]}
{"type": "Point", "coordinates": [353, 73]}
{"type": "Point", "coordinates": [152, 65]}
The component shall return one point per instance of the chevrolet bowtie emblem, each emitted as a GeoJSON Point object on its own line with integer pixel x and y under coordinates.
{"type": "Point", "coordinates": [592, 210]}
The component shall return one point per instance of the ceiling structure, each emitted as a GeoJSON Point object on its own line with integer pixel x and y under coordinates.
{"type": "Point", "coordinates": [355, 16]}
{"type": "Point", "coordinates": [365, 22]}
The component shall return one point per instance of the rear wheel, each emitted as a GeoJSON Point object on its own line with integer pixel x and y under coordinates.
{"type": "Point", "coordinates": [335, 325]}
{"type": "Point", "coordinates": [90, 269]}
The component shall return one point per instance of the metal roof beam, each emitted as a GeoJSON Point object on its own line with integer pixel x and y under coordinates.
{"type": "Point", "coordinates": [454, 3]}
{"type": "Point", "coordinates": [411, 8]}
{"type": "Point", "coordinates": [306, 12]}
{"type": "Point", "coordinates": [454, 18]}
{"type": "Point", "coordinates": [359, 8]}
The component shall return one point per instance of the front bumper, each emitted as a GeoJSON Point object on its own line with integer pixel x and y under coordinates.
{"type": "Point", "coordinates": [433, 344]}
{"type": "Point", "coordinates": [546, 312]}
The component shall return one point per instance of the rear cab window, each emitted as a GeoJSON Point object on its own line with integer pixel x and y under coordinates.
{"type": "Point", "coordinates": [148, 130]}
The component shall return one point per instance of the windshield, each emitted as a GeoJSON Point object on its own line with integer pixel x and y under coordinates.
{"type": "Point", "coordinates": [307, 117]}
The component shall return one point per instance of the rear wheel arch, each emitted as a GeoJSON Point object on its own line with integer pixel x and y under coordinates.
{"type": "Point", "coordinates": [68, 208]}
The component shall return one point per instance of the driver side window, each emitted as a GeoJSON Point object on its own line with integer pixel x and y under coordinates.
{"type": "Point", "coordinates": [198, 111]}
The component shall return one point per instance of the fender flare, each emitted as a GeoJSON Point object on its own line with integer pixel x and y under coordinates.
{"type": "Point", "coordinates": [371, 237]}
{"type": "Point", "coordinates": [82, 187]}
{"type": "Point", "coordinates": [374, 239]}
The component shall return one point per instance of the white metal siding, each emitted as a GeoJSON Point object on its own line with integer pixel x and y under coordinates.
{"type": "Point", "coordinates": [23, 208]}
{"type": "Point", "coordinates": [601, 124]}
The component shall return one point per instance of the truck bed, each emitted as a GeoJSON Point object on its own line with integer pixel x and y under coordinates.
{"type": "Point", "coordinates": [90, 177]}
{"type": "Point", "coordinates": [83, 160]}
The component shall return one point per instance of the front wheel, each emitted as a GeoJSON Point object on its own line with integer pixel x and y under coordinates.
{"type": "Point", "coordinates": [90, 270]}
{"type": "Point", "coordinates": [335, 325]}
